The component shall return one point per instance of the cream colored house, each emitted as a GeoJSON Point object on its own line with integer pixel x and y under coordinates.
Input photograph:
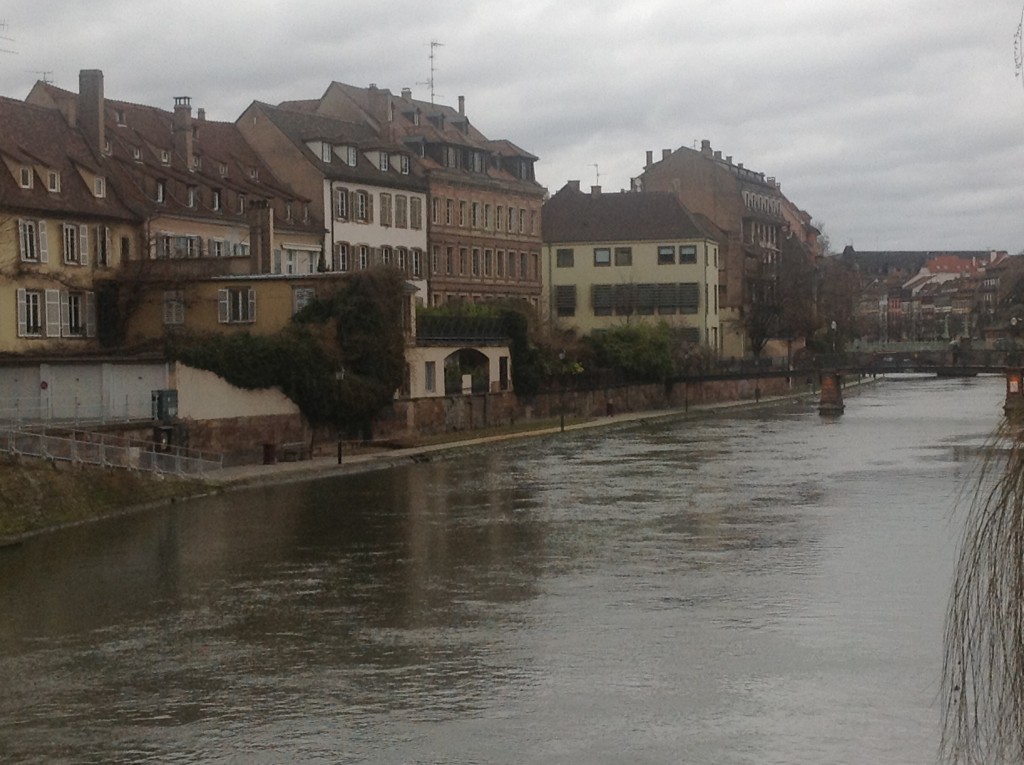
{"type": "Point", "coordinates": [628, 257]}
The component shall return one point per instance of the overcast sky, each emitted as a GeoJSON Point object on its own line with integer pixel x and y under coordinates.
{"type": "Point", "coordinates": [896, 124]}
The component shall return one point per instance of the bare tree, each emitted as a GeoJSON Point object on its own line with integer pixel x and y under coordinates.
{"type": "Point", "coordinates": [983, 668]}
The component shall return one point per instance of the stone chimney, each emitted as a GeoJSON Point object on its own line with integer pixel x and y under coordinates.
{"type": "Point", "coordinates": [718, 155]}
{"type": "Point", "coordinates": [650, 158]}
{"type": "Point", "coordinates": [574, 185]}
{"type": "Point", "coordinates": [91, 118]}
{"type": "Point", "coordinates": [666, 153]}
{"type": "Point", "coordinates": [705, 147]}
{"type": "Point", "coordinates": [728, 160]}
{"type": "Point", "coordinates": [181, 124]}
{"type": "Point", "coordinates": [407, 94]}
{"type": "Point", "coordinates": [379, 104]}
{"type": "Point", "coordinates": [201, 115]}
{"type": "Point", "coordinates": [595, 191]}
{"type": "Point", "coordinates": [462, 105]}
{"type": "Point", "coordinates": [261, 236]}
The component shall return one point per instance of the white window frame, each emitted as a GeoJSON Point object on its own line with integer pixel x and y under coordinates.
{"type": "Point", "coordinates": [236, 305]}
{"type": "Point", "coordinates": [326, 152]}
{"type": "Point", "coordinates": [53, 181]}
{"type": "Point", "coordinates": [174, 307]}
{"type": "Point", "coordinates": [341, 256]}
{"type": "Point", "coordinates": [75, 244]}
{"type": "Point", "coordinates": [103, 245]}
{"type": "Point", "coordinates": [99, 187]}
{"type": "Point", "coordinates": [25, 177]}
{"type": "Point", "coordinates": [301, 297]}
{"type": "Point", "coordinates": [384, 162]}
{"type": "Point", "coordinates": [32, 241]}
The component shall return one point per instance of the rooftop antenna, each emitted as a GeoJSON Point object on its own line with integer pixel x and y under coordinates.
{"type": "Point", "coordinates": [433, 44]}
{"type": "Point", "coordinates": [597, 174]}
{"type": "Point", "coordinates": [3, 28]}
{"type": "Point", "coordinates": [46, 75]}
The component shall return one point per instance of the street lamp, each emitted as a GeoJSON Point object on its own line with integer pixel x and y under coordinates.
{"type": "Point", "coordinates": [834, 328]}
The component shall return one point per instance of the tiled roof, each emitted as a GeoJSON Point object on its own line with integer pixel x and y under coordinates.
{"type": "Point", "coordinates": [42, 137]}
{"type": "Point", "coordinates": [574, 216]}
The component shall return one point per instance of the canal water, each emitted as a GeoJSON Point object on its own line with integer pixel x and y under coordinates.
{"type": "Point", "coordinates": [751, 587]}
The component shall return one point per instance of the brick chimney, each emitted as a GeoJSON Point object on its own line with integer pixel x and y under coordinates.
{"type": "Point", "coordinates": [462, 105]}
{"type": "Point", "coordinates": [182, 127]}
{"type": "Point", "coordinates": [91, 119]}
{"type": "Point", "coordinates": [574, 185]}
{"type": "Point", "coordinates": [595, 191]}
{"type": "Point", "coordinates": [261, 236]}
{"type": "Point", "coordinates": [407, 94]}
{"type": "Point", "coordinates": [666, 153]}
{"type": "Point", "coordinates": [705, 147]}
{"type": "Point", "coordinates": [650, 158]}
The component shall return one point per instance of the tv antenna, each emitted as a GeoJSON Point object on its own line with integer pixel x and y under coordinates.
{"type": "Point", "coordinates": [433, 44]}
{"type": "Point", "coordinates": [46, 75]}
{"type": "Point", "coordinates": [4, 37]}
{"type": "Point", "coordinates": [597, 174]}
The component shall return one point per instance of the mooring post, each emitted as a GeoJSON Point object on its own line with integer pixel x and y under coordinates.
{"type": "Point", "coordinates": [1014, 405]}
{"type": "Point", "coordinates": [831, 402]}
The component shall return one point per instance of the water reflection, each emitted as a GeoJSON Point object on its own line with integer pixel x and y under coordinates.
{"type": "Point", "coordinates": [760, 587]}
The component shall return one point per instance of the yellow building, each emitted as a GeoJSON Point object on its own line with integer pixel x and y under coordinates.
{"type": "Point", "coordinates": [64, 230]}
{"type": "Point", "coordinates": [628, 257]}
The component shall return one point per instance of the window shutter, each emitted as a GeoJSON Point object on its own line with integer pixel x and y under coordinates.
{"type": "Point", "coordinates": [22, 314]}
{"type": "Point", "coordinates": [108, 243]}
{"type": "Point", "coordinates": [53, 313]}
{"type": "Point", "coordinates": [83, 254]}
{"type": "Point", "coordinates": [252, 304]}
{"type": "Point", "coordinates": [369, 208]}
{"type": "Point", "coordinates": [90, 314]}
{"type": "Point", "coordinates": [41, 228]}
{"type": "Point", "coordinates": [223, 306]}
{"type": "Point", "coordinates": [21, 238]}
{"type": "Point", "coordinates": [65, 314]}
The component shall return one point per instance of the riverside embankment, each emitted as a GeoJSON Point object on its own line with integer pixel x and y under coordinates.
{"type": "Point", "coordinates": [37, 496]}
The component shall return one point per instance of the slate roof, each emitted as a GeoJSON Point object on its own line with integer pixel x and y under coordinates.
{"type": "Point", "coordinates": [882, 262]}
{"type": "Point", "coordinates": [627, 216]}
{"type": "Point", "coordinates": [37, 136]}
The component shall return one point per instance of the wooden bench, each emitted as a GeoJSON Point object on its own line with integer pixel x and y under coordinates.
{"type": "Point", "coordinates": [295, 451]}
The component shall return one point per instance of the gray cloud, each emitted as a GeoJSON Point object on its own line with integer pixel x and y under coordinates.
{"type": "Point", "coordinates": [897, 124]}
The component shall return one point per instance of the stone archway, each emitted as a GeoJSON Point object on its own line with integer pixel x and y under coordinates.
{"type": "Point", "coordinates": [466, 361]}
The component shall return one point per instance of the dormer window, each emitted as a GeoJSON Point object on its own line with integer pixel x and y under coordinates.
{"type": "Point", "coordinates": [215, 200]}
{"type": "Point", "coordinates": [197, 163]}
{"type": "Point", "coordinates": [353, 156]}
{"type": "Point", "coordinates": [305, 213]}
{"type": "Point", "coordinates": [223, 171]}
{"type": "Point", "coordinates": [137, 154]}
{"type": "Point", "coordinates": [161, 191]}
{"type": "Point", "coordinates": [106, 147]}
{"type": "Point", "coordinates": [326, 153]}
{"type": "Point", "coordinates": [165, 156]}
{"type": "Point", "coordinates": [25, 178]}
{"type": "Point", "coordinates": [120, 117]}
{"type": "Point", "coordinates": [254, 173]}
{"type": "Point", "coordinates": [403, 163]}
{"type": "Point", "coordinates": [53, 181]}
{"type": "Point", "coordinates": [288, 211]}
{"type": "Point", "coordinates": [192, 196]}
{"type": "Point", "coordinates": [99, 187]}
{"type": "Point", "coordinates": [384, 162]}
{"type": "Point", "coordinates": [241, 203]}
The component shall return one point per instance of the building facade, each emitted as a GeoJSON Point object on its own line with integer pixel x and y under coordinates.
{"type": "Point", "coordinates": [628, 257]}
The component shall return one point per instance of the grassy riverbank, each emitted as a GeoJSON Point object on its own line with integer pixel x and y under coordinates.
{"type": "Point", "coordinates": [36, 495]}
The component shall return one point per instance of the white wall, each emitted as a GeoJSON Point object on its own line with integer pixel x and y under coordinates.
{"type": "Point", "coordinates": [203, 395]}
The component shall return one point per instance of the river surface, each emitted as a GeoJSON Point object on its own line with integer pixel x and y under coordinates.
{"type": "Point", "coordinates": [756, 587]}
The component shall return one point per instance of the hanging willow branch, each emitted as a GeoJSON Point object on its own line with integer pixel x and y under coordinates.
{"type": "Point", "coordinates": [983, 668]}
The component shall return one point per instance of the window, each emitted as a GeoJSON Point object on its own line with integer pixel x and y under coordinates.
{"type": "Point", "coordinates": [564, 257]}
{"type": "Point", "coordinates": [689, 297]}
{"type": "Point", "coordinates": [666, 297]}
{"type": "Point", "coordinates": [488, 259]}
{"type": "Point", "coordinates": [76, 244]}
{"type": "Point", "coordinates": [476, 261]}
{"type": "Point", "coordinates": [174, 307]}
{"type": "Point", "coordinates": [215, 200]}
{"type": "Point", "coordinates": [119, 116]}
{"type": "Point", "coordinates": [301, 297]}
{"type": "Point", "coordinates": [364, 257]}
{"type": "Point", "coordinates": [522, 221]}
{"type": "Point", "coordinates": [475, 215]}
{"type": "Point", "coordinates": [240, 249]}
{"type": "Point", "coordinates": [99, 187]}
{"type": "Point", "coordinates": [385, 209]}
{"type": "Point", "coordinates": [666, 255]}
{"type": "Point", "coordinates": [601, 299]}
{"type": "Point", "coordinates": [602, 256]}
{"type": "Point", "coordinates": [435, 210]}
{"type": "Point", "coordinates": [416, 213]}
{"type": "Point", "coordinates": [32, 241]}
{"type": "Point", "coordinates": [223, 169]}
{"type": "Point", "coordinates": [236, 305]}
{"type": "Point", "coordinates": [463, 260]}
{"type": "Point", "coordinates": [435, 260]}
{"type": "Point", "coordinates": [624, 299]}
{"type": "Point", "coordinates": [341, 256]}
{"type": "Point", "coordinates": [30, 313]}
{"type": "Point", "coordinates": [216, 248]}
{"type": "Point", "coordinates": [53, 181]}
{"type": "Point", "coordinates": [417, 262]}
{"type": "Point", "coordinates": [326, 154]}
{"type": "Point", "coordinates": [77, 314]}
{"type": "Point", "coordinates": [362, 206]}
{"type": "Point", "coordinates": [191, 196]}
{"type": "Point", "coordinates": [161, 191]}
{"type": "Point", "coordinates": [500, 263]}
{"type": "Point", "coordinates": [430, 376]}
{"type": "Point", "coordinates": [487, 217]}
{"type": "Point", "coordinates": [25, 178]}
{"type": "Point", "coordinates": [254, 173]}
{"type": "Point", "coordinates": [462, 214]}
{"type": "Point", "coordinates": [565, 300]}
{"type": "Point", "coordinates": [137, 154]}
{"type": "Point", "coordinates": [241, 203]}
{"type": "Point", "coordinates": [403, 164]}
{"type": "Point", "coordinates": [449, 211]}
{"type": "Point", "coordinates": [401, 211]}
{"type": "Point", "coordinates": [385, 256]}
{"type": "Point", "coordinates": [511, 265]}
{"type": "Point", "coordinates": [449, 261]}
{"type": "Point", "coordinates": [165, 157]}
{"type": "Point", "coordinates": [341, 204]}
{"type": "Point", "coordinates": [524, 273]}
{"type": "Point", "coordinates": [401, 258]}
{"type": "Point", "coordinates": [499, 216]}
{"type": "Point", "coordinates": [351, 156]}
{"type": "Point", "coordinates": [645, 299]}
{"type": "Point", "coordinates": [103, 249]}
{"type": "Point", "coordinates": [623, 256]}
{"type": "Point", "coordinates": [687, 253]}
{"type": "Point", "coordinates": [511, 220]}
{"type": "Point", "coordinates": [384, 162]}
